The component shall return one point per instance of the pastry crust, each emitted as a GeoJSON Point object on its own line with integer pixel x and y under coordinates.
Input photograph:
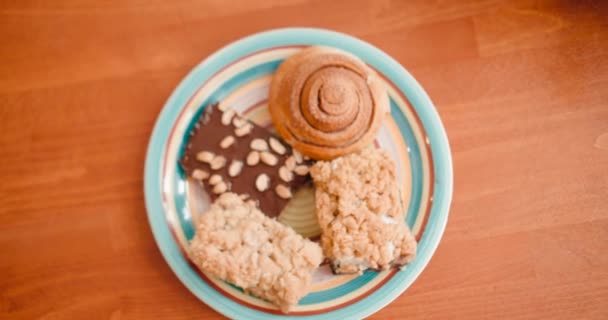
{"type": "Point", "coordinates": [327, 103]}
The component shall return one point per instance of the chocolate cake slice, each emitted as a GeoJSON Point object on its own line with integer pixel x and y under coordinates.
{"type": "Point", "coordinates": [228, 153]}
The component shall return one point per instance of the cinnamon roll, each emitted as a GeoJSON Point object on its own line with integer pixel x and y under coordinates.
{"type": "Point", "coordinates": [327, 103]}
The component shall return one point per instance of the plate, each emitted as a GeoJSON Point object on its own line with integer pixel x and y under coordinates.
{"type": "Point", "coordinates": [239, 75]}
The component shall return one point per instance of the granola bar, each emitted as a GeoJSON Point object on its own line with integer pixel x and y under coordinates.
{"type": "Point", "coordinates": [237, 243]}
{"type": "Point", "coordinates": [360, 211]}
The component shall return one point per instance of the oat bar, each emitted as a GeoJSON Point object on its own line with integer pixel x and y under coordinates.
{"type": "Point", "coordinates": [237, 243]}
{"type": "Point", "coordinates": [360, 211]}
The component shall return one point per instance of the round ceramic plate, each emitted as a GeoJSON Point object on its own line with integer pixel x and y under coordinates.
{"type": "Point", "coordinates": [239, 75]}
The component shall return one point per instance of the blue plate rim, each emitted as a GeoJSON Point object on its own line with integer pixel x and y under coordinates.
{"type": "Point", "coordinates": [401, 78]}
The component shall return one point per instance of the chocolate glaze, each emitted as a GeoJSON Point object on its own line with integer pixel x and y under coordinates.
{"type": "Point", "coordinates": [206, 136]}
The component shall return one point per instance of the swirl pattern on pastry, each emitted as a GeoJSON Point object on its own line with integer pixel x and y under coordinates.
{"type": "Point", "coordinates": [326, 103]}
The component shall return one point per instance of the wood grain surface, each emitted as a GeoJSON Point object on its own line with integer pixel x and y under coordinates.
{"type": "Point", "coordinates": [522, 88]}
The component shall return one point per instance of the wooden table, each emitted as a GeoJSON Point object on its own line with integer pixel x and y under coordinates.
{"type": "Point", "coordinates": [521, 86]}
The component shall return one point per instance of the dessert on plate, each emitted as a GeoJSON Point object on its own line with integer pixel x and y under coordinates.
{"type": "Point", "coordinates": [228, 153]}
{"type": "Point", "coordinates": [236, 242]}
{"type": "Point", "coordinates": [360, 211]}
{"type": "Point", "coordinates": [327, 103]}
